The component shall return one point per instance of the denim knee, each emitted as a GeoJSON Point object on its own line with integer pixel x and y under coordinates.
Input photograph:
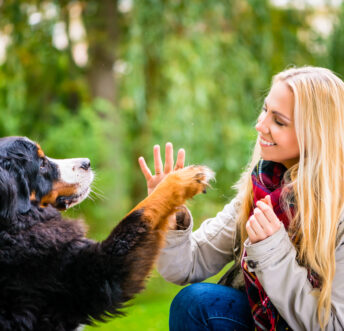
{"type": "Point", "coordinates": [190, 297]}
{"type": "Point", "coordinates": [204, 306]}
{"type": "Point", "coordinates": [186, 311]}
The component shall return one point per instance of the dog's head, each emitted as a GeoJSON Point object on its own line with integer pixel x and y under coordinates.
{"type": "Point", "coordinates": [29, 178]}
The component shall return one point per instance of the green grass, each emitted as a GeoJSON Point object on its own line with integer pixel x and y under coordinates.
{"type": "Point", "coordinates": [149, 310]}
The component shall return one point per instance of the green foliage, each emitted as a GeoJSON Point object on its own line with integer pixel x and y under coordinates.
{"type": "Point", "coordinates": [336, 45]}
{"type": "Point", "coordinates": [193, 73]}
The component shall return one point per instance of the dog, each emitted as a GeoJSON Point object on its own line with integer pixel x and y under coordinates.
{"type": "Point", "coordinates": [51, 276]}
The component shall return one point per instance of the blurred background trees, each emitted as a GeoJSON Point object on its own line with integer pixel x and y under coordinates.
{"type": "Point", "coordinates": [109, 79]}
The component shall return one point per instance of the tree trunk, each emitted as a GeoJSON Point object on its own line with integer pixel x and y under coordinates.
{"type": "Point", "coordinates": [102, 33]}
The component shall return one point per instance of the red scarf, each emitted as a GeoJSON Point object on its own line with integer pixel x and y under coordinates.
{"type": "Point", "coordinates": [267, 179]}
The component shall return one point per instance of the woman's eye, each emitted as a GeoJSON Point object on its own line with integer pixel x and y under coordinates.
{"type": "Point", "coordinates": [264, 110]}
{"type": "Point", "coordinates": [279, 123]}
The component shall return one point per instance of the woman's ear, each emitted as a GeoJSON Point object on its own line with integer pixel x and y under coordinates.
{"type": "Point", "coordinates": [8, 196]}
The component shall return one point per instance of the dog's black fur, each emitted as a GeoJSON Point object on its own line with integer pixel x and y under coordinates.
{"type": "Point", "coordinates": [51, 276]}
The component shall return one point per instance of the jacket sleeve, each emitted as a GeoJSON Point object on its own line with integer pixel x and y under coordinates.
{"type": "Point", "coordinates": [190, 257]}
{"type": "Point", "coordinates": [286, 283]}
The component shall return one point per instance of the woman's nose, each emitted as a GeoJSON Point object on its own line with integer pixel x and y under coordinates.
{"type": "Point", "coordinates": [262, 125]}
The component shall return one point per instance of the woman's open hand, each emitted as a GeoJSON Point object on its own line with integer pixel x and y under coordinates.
{"type": "Point", "coordinates": [263, 223]}
{"type": "Point", "coordinates": [161, 171]}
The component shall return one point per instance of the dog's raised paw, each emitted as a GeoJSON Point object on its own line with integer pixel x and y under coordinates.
{"type": "Point", "coordinates": [190, 181]}
{"type": "Point", "coordinates": [173, 191]}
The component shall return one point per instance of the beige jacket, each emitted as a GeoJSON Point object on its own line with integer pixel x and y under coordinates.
{"type": "Point", "coordinates": [190, 257]}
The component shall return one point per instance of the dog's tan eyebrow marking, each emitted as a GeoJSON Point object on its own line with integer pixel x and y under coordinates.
{"type": "Point", "coordinates": [33, 196]}
{"type": "Point", "coordinates": [40, 151]}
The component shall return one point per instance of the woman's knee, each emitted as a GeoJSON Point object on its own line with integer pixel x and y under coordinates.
{"type": "Point", "coordinates": [196, 299]}
{"type": "Point", "coordinates": [203, 304]}
{"type": "Point", "coordinates": [188, 309]}
{"type": "Point", "coordinates": [188, 297]}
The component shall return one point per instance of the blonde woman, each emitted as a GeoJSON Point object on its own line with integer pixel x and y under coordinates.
{"type": "Point", "coordinates": [284, 229]}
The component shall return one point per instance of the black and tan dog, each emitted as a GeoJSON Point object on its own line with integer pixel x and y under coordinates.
{"type": "Point", "coordinates": [51, 276]}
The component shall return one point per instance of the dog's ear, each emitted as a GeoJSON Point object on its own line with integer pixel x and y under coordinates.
{"type": "Point", "coordinates": [14, 194]}
{"type": "Point", "coordinates": [23, 193]}
{"type": "Point", "coordinates": [8, 196]}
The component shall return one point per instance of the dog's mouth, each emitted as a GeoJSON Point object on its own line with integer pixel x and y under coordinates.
{"type": "Point", "coordinates": [66, 195]}
{"type": "Point", "coordinates": [65, 202]}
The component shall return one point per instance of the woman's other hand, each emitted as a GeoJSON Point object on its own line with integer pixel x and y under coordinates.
{"type": "Point", "coordinates": [263, 223]}
{"type": "Point", "coordinates": [161, 171]}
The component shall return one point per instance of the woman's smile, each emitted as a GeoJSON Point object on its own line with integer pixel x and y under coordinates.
{"type": "Point", "coordinates": [265, 143]}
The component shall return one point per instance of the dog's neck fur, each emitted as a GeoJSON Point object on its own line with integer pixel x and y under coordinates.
{"type": "Point", "coordinates": [22, 222]}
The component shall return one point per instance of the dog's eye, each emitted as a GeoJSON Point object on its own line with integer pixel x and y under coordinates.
{"type": "Point", "coordinates": [42, 163]}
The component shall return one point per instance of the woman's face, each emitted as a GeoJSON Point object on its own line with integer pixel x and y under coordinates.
{"type": "Point", "coordinates": [275, 126]}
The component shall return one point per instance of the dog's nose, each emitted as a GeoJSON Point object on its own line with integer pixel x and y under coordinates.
{"type": "Point", "coordinates": [85, 164]}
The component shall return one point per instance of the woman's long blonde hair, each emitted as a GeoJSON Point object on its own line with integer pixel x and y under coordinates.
{"type": "Point", "coordinates": [317, 181]}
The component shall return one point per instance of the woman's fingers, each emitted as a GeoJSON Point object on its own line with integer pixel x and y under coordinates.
{"type": "Point", "coordinates": [257, 228]}
{"type": "Point", "coordinates": [160, 170]}
{"type": "Point", "coordinates": [158, 165]}
{"type": "Point", "coordinates": [180, 159]}
{"type": "Point", "coordinates": [254, 230]}
{"type": "Point", "coordinates": [168, 158]}
{"type": "Point", "coordinates": [144, 168]}
{"type": "Point", "coordinates": [268, 199]}
{"type": "Point", "coordinates": [157, 160]}
{"type": "Point", "coordinates": [265, 224]}
{"type": "Point", "coordinates": [269, 214]}
{"type": "Point", "coordinates": [251, 234]}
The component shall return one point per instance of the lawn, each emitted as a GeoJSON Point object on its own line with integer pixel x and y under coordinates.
{"type": "Point", "coordinates": [149, 310]}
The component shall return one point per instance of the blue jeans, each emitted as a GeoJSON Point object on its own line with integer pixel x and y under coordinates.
{"type": "Point", "coordinates": [205, 306]}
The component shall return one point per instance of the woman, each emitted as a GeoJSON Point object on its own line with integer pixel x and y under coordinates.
{"type": "Point", "coordinates": [284, 229]}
